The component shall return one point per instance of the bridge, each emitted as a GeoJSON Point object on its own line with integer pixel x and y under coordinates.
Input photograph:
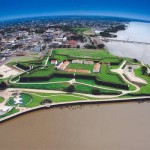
{"type": "Point", "coordinates": [125, 41]}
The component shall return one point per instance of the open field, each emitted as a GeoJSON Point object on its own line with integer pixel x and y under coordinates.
{"type": "Point", "coordinates": [63, 87]}
{"type": "Point", "coordinates": [40, 72]}
{"type": "Point", "coordinates": [1, 99]}
{"type": "Point", "coordinates": [48, 86]}
{"type": "Point", "coordinates": [106, 75]}
{"type": "Point", "coordinates": [88, 32]}
{"type": "Point", "coordinates": [14, 110]}
{"type": "Point", "coordinates": [6, 71]}
{"type": "Point", "coordinates": [146, 88]}
{"type": "Point", "coordinates": [22, 59]}
{"type": "Point", "coordinates": [26, 98]}
{"type": "Point", "coordinates": [80, 30]}
{"type": "Point", "coordinates": [98, 54]}
{"type": "Point", "coordinates": [37, 98]}
{"type": "Point", "coordinates": [81, 66]}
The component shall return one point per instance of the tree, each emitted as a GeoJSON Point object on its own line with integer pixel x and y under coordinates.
{"type": "Point", "coordinates": [70, 88]}
{"type": "Point", "coordinates": [144, 69]}
{"type": "Point", "coordinates": [100, 46]}
{"type": "Point", "coordinates": [78, 46]}
{"type": "Point", "coordinates": [46, 101]}
{"type": "Point", "coordinates": [130, 68]}
{"type": "Point", "coordinates": [3, 85]}
{"type": "Point", "coordinates": [135, 60]}
{"type": "Point", "coordinates": [96, 91]}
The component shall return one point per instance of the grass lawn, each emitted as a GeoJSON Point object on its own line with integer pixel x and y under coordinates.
{"type": "Point", "coordinates": [1, 99]}
{"type": "Point", "coordinates": [97, 54]}
{"type": "Point", "coordinates": [60, 58]}
{"type": "Point", "coordinates": [25, 100]}
{"type": "Point", "coordinates": [14, 110]}
{"type": "Point", "coordinates": [37, 98]}
{"type": "Point", "coordinates": [146, 88]}
{"type": "Point", "coordinates": [15, 60]}
{"type": "Point", "coordinates": [88, 32]}
{"type": "Point", "coordinates": [81, 66]}
{"type": "Point", "coordinates": [48, 86]}
{"type": "Point", "coordinates": [62, 87]}
{"type": "Point", "coordinates": [40, 72]}
{"type": "Point", "coordinates": [54, 79]}
{"type": "Point", "coordinates": [88, 90]}
{"type": "Point", "coordinates": [108, 76]}
{"type": "Point", "coordinates": [80, 30]}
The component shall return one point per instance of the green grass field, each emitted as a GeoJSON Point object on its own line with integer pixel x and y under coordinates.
{"type": "Point", "coordinates": [19, 59]}
{"type": "Point", "coordinates": [13, 111]}
{"type": "Point", "coordinates": [48, 86]}
{"type": "Point", "coordinates": [25, 100]}
{"type": "Point", "coordinates": [146, 88]}
{"type": "Point", "coordinates": [62, 87]}
{"type": "Point", "coordinates": [80, 30]}
{"type": "Point", "coordinates": [40, 72]}
{"type": "Point", "coordinates": [106, 75]}
{"type": "Point", "coordinates": [1, 99]}
{"type": "Point", "coordinates": [81, 66]}
{"type": "Point", "coordinates": [97, 54]}
{"type": "Point", "coordinates": [37, 98]}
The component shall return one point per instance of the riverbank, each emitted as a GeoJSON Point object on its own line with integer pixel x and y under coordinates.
{"type": "Point", "coordinates": [81, 127]}
{"type": "Point", "coordinates": [72, 103]}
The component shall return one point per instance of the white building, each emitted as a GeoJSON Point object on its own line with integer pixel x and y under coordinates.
{"type": "Point", "coordinates": [77, 61]}
{"type": "Point", "coordinates": [54, 62]}
{"type": "Point", "coordinates": [88, 62]}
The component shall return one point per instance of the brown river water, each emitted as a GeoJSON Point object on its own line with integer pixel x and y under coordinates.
{"type": "Point", "coordinates": [119, 126]}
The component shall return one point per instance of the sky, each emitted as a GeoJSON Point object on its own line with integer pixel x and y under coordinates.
{"type": "Point", "coordinates": [138, 9]}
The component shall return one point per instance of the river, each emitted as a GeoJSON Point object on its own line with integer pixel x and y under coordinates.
{"type": "Point", "coordinates": [120, 126]}
{"type": "Point", "coordinates": [136, 31]}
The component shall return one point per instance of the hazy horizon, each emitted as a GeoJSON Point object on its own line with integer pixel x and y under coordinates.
{"type": "Point", "coordinates": [116, 8]}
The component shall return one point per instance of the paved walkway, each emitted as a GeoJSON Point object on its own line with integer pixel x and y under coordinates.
{"type": "Point", "coordinates": [120, 71]}
{"type": "Point", "coordinates": [6, 95]}
{"type": "Point", "coordinates": [60, 92]}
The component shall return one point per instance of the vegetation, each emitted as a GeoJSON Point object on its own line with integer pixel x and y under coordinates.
{"type": "Point", "coordinates": [96, 91]}
{"type": "Point", "coordinates": [80, 30]}
{"type": "Point", "coordinates": [37, 98]}
{"type": "Point", "coordinates": [144, 90]}
{"type": "Point", "coordinates": [99, 54]}
{"type": "Point", "coordinates": [25, 100]}
{"type": "Point", "coordinates": [1, 99]}
{"type": "Point", "coordinates": [47, 71]}
{"type": "Point", "coordinates": [108, 76]}
{"type": "Point", "coordinates": [12, 111]}
{"type": "Point", "coordinates": [3, 85]}
{"type": "Point", "coordinates": [107, 34]}
{"type": "Point", "coordinates": [81, 66]}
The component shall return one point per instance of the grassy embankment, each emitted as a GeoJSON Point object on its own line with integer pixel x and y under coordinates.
{"type": "Point", "coordinates": [1, 99]}
{"type": "Point", "coordinates": [145, 90]}
{"type": "Point", "coordinates": [13, 111]}
{"type": "Point", "coordinates": [37, 98]}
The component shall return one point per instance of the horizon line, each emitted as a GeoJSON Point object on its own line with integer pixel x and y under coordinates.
{"type": "Point", "coordinates": [73, 15]}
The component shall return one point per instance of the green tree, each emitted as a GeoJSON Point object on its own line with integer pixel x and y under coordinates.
{"type": "Point", "coordinates": [3, 85]}
{"type": "Point", "coordinates": [96, 91]}
{"type": "Point", "coordinates": [70, 88]}
{"type": "Point", "coordinates": [144, 69]}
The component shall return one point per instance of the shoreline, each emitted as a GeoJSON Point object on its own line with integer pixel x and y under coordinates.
{"type": "Point", "coordinates": [87, 102]}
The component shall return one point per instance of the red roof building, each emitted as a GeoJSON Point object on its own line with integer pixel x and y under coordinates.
{"type": "Point", "coordinates": [72, 43]}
